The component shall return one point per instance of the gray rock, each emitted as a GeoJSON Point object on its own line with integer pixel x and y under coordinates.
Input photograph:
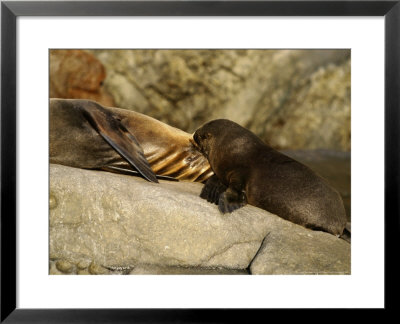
{"type": "Point", "coordinates": [124, 224]}
{"type": "Point", "coordinates": [64, 266]}
{"type": "Point", "coordinates": [53, 268]}
{"type": "Point", "coordinates": [290, 249]}
{"type": "Point", "coordinates": [118, 220]}
{"type": "Point", "coordinates": [154, 269]}
{"type": "Point", "coordinates": [83, 264]}
{"type": "Point", "coordinates": [97, 269]}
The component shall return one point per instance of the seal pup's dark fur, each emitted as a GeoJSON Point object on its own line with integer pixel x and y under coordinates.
{"type": "Point", "coordinates": [247, 170]}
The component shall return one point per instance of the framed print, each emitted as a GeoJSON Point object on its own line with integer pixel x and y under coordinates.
{"type": "Point", "coordinates": [300, 75]}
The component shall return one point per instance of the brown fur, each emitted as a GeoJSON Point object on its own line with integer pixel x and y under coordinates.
{"type": "Point", "coordinates": [84, 134]}
{"type": "Point", "coordinates": [249, 171]}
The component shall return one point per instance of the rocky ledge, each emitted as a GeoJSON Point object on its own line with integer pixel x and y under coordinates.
{"type": "Point", "coordinates": [105, 223]}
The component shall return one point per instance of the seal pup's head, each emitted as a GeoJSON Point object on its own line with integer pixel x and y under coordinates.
{"type": "Point", "coordinates": [225, 135]}
{"type": "Point", "coordinates": [210, 134]}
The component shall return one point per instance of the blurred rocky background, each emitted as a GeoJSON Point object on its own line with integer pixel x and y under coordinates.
{"type": "Point", "coordinates": [293, 99]}
{"type": "Point", "coordinates": [76, 74]}
{"type": "Point", "coordinates": [299, 101]}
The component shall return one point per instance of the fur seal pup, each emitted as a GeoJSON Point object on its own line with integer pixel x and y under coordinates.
{"type": "Point", "coordinates": [85, 134]}
{"type": "Point", "coordinates": [249, 171]}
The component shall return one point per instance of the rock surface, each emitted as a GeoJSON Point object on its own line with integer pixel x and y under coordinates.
{"type": "Point", "coordinates": [291, 250]}
{"type": "Point", "coordinates": [95, 269]}
{"type": "Point", "coordinates": [118, 220]}
{"type": "Point", "coordinates": [293, 99]}
{"type": "Point", "coordinates": [103, 223]}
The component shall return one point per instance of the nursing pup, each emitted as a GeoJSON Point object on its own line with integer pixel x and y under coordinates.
{"type": "Point", "coordinates": [247, 170]}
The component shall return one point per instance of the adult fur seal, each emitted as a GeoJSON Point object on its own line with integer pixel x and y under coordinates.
{"type": "Point", "coordinates": [84, 134]}
{"type": "Point", "coordinates": [249, 171]}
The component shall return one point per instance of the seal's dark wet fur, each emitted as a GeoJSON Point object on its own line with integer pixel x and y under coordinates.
{"type": "Point", "coordinates": [247, 170]}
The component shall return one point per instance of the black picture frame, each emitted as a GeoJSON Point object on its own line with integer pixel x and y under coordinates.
{"type": "Point", "coordinates": [11, 10]}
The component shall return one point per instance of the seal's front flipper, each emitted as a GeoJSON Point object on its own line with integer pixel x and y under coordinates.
{"type": "Point", "coordinates": [231, 200]}
{"type": "Point", "coordinates": [234, 197]}
{"type": "Point", "coordinates": [212, 190]}
{"type": "Point", "coordinates": [120, 139]}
